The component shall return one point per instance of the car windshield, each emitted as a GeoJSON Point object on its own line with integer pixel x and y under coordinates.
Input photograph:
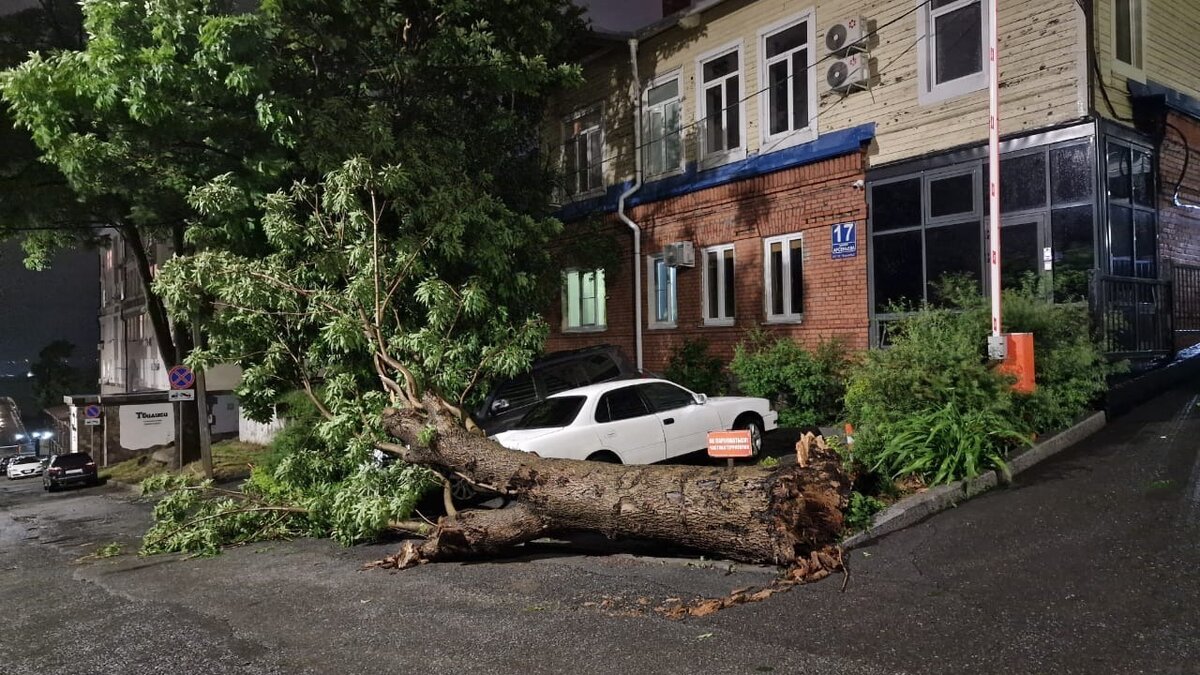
{"type": "Point", "coordinates": [553, 412]}
{"type": "Point", "coordinates": [25, 460]}
{"type": "Point", "coordinates": [73, 460]}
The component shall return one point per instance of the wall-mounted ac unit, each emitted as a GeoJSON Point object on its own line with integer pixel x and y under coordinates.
{"type": "Point", "coordinates": [846, 36]}
{"type": "Point", "coordinates": [848, 74]}
{"type": "Point", "coordinates": [679, 254]}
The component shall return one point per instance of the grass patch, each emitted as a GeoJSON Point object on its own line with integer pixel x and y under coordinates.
{"type": "Point", "coordinates": [231, 461]}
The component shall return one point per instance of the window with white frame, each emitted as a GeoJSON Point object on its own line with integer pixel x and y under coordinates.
{"type": "Point", "coordinates": [1127, 23]}
{"type": "Point", "coordinates": [583, 300]}
{"type": "Point", "coordinates": [718, 285]}
{"type": "Point", "coordinates": [720, 103]}
{"type": "Point", "coordinates": [664, 143]}
{"type": "Point", "coordinates": [661, 292]}
{"type": "Point", "coordinates": [951, 59]}
{"type": "Point", "coordinates": [583, 151]}
{"type": "Point", "coordinates": [784, 271]}
{"type": "Point", "coordinates": [788, 85]}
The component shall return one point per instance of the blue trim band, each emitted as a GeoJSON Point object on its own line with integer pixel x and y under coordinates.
{"type": "Point", "coordinates": [832, 144]}
{"type": "Point", "coordinates": [1176, 100]}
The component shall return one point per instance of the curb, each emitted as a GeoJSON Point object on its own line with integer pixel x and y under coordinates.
{"type": "Point", "coordinates": [915, 508]}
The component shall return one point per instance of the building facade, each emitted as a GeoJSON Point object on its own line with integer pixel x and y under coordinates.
{"type": "Point", "coordinates": [815, 169]}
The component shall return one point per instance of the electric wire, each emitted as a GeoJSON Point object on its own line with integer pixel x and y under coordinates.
{"type": "Point", "coordinates": [629, 151]}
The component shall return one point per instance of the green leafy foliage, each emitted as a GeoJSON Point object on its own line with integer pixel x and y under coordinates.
{"type": "Point", "coordinates": [932, 405]}
{"type": "Point", "coordinates": [860, 511]}
{"type": "Point", "coordinates": [355, 208]}
{"type": "Point", "coordinates": [947, 443]}
{"type": "Point", "coordinates": [693, 367]}
{"type": "Point", "coordinates": [806, 386]}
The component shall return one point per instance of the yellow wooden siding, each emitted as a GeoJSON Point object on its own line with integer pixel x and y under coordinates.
{"type": "Point", "coordinates": [1170, 51]}
{"type": "Point", "coordinates": [1041, 67]}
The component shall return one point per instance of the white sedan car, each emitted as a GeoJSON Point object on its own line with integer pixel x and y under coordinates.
{"type": "Point", "coordinates": [634, 422]}
{"type": "Point", "coordinates": [24, 467]}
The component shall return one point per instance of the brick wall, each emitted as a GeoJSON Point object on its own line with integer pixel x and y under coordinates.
{"type": "Point", "coordinates": [1179, 228]}
{"type": "Point", "coordinates": [808, 199]}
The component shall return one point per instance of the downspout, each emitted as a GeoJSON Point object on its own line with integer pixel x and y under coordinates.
{"type": "Point", "coordinates": [635, 96]}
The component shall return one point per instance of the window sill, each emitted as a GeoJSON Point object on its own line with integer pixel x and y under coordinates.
{"type": "Point", "coordinates": [665, 174]}
{"type": "Point", "coordinates": [585, 329]}
{"type": "Point", "coordinates": [718, 323]}
{"type": "Point", "coordinates": [952, 89]}
{"type": "Point", "coordinates": [721, 158]}
{"type": "Point", "coordinates": [1128, 71]}
{"type": "Point", "coordinates": [788, 139]}
{"type": "Point", "coordinates": [784, 321]}
{"type": "Point", "coordinates": [594, 192]}
{"type": "Point", "coordinates": [660, 326]}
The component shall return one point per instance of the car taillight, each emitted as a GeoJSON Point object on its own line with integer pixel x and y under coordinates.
{"type": "Point", "coordinates": [55, 470]}
{"type": "Point", "coordinates": [90, 464]}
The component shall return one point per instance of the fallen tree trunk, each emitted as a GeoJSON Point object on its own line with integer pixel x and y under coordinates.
{"type": "Point", "coordinates": [752, 514]}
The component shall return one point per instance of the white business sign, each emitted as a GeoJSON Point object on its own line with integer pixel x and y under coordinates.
{"type": "Point", "coordinates": [147, 426]}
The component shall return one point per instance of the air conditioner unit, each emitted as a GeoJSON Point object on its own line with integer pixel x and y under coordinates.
{"type": "Point", "coordinates": [680, 254]}
{"type": "Point", "coordinates": [848, 74]}
{"type": "Point", "coordinates": [846, 36]}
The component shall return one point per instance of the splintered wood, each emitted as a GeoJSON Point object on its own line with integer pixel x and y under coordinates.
{"type": "Point", "coordinates": [804, 446]}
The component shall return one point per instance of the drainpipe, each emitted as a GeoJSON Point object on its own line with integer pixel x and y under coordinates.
{"type": "Point", "coordinates": [635, 96]}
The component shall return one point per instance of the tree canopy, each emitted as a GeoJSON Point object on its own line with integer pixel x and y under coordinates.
{"type": "Point", "coordinates": [355, 195]}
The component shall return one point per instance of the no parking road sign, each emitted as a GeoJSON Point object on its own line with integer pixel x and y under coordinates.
{"type": "Point", "coordinates": [181, 377]}
{"type": "Point", "coordinates": [91, 415]}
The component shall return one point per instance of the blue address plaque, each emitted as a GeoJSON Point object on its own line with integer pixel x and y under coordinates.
{"type": "Point", "coordinates": [845, 240]}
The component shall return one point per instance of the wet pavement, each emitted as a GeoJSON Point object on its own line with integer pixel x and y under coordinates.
{"type": "Point", "coordinates": [1090, 563]}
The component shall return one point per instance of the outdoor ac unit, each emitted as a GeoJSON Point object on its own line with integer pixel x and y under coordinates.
{"type": "Point", "coordinates": [846, 36]}
{"type": "Point", "coordinates": [848, 74]}
{"type": "Point", "coordinates": [679, 254]}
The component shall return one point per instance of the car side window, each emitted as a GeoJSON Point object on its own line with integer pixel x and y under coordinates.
{"type": "Point", "coordinates": [620, 404]}
{"type": "Point", "coordinates": [599, 368]}
{"type": "Point", "coordinates": [664, 397]}
{"type": "Point", "coordinates": [518, 392]}
{"type": "Point", "coordinates": [560, 377]}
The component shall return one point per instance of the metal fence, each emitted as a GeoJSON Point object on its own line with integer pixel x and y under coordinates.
{"type": "Point", "coordinates": [1186, 294]}
{"type": "Point", "coordinates": [1133, 316]}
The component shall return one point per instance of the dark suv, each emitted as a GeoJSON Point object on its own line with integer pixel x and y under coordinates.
{"type": "Point", "coordinates": [70, 469]}
{"type": "Point", "coordinates": [548, 375]}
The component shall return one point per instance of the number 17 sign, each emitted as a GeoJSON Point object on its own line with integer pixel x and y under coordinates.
{"type": "Point", "coordinates": [845, 240]}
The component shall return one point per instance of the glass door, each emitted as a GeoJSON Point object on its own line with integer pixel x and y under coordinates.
{"type": "Point", "coordinates": [1025, 251]}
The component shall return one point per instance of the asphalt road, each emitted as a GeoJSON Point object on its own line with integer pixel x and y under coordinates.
{"type": "Point", "coordinates": [1088, 565]}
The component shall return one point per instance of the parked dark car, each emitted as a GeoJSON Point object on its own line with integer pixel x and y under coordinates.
{"type": "Point", "coordinates": [550, 374]}
{"type": "Point", "coordinates": [75, 468]}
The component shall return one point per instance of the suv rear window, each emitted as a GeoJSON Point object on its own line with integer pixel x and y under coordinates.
{"type": "Point", "coordinates": [519, 392]}
{"type": "Point", "coordinates": [73, 460]}
{"type": "Point", "coordinates": [553, 412]}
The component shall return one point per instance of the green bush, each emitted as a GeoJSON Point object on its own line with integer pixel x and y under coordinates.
{"type": "Point", "coordinates": [692, 366]}
{"type": "Point", "coordinates": [931, 404]}
{"type": "Point", "coordinates": [861, 510]}
{"type": "Point", "coordinates": [806, 387]}
{"type": "Point", "coordinates": [947, 443]}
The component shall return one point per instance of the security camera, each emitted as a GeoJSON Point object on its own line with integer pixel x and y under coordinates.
{"type": "Point", "coordinates": [858, 184]}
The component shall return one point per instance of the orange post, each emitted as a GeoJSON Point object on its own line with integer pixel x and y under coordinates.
{"type": "Point", "coordinates": [1019, 363]}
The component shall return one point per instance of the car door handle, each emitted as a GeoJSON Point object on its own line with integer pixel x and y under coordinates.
{"type": "Point", "coordinates": [610, 434]}
{"type": "Point", "coordinates": [669, 420]}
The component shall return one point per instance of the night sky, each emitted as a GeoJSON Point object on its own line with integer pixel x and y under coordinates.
{"type": "Point", "coordinates": [37, 308]}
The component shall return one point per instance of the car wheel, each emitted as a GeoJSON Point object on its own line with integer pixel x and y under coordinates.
{"type": "Point", "coordinates": [756, 432]}
{"type": "Point", "coordinates": [461, 491]}
{"type": "Point", "coordinates": [604, 456]}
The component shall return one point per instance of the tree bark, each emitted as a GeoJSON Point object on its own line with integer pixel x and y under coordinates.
{"type": "Point", "coordinates": [753, 514]}
{"type": "Point", "coordinates": [174, 342]}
